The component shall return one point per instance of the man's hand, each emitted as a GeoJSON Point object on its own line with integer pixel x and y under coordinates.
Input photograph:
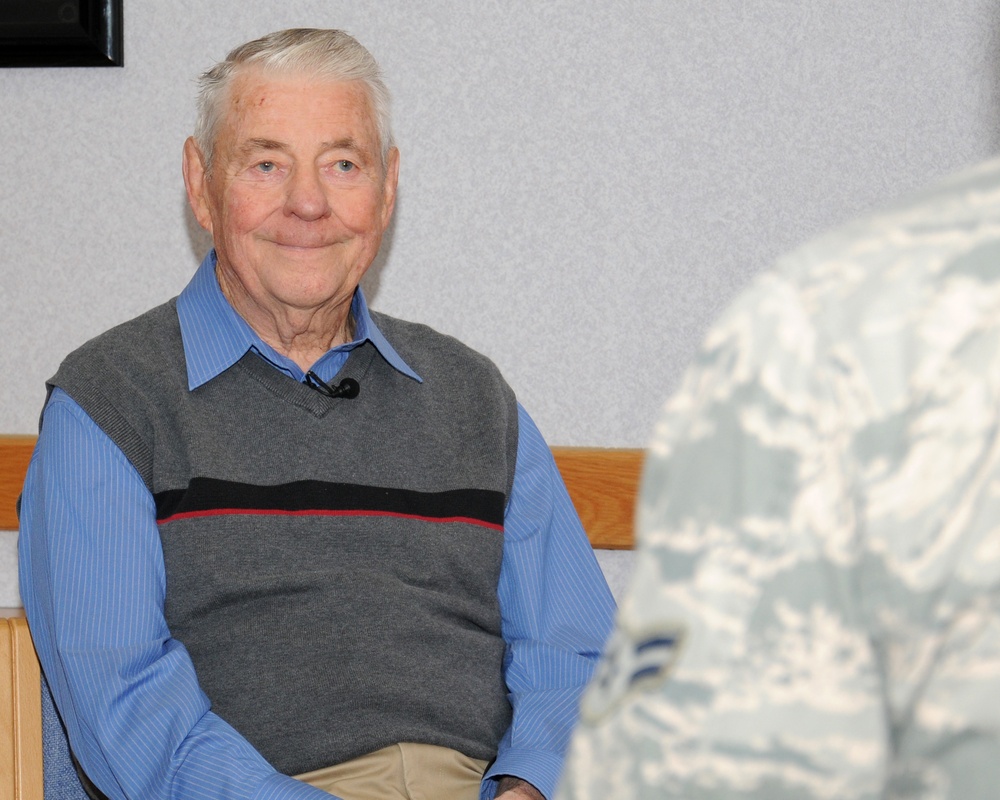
{"type": "Point", "coordinates": [511, 788]}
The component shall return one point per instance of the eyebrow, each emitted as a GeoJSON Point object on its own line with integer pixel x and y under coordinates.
{"type": "Point", "coordinates": [342, 144]}
{"type": "Point", "coordinates": [256, 144]}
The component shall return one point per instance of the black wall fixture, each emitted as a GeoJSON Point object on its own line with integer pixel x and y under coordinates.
{"type": "Point", "coordinates": [61, 33]}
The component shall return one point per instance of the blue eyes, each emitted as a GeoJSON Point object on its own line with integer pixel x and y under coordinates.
{"type": "Point", "coordinates": [342, 166]}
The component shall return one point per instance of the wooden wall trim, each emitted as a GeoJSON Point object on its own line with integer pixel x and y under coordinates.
{"type": "Point", "coordinates": [15, 453]}
{"type": "Point", "coordinates": [602, 482]}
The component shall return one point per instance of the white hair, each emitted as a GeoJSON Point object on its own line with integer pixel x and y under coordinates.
{"type": "Point", "coordinates": [324, 53]}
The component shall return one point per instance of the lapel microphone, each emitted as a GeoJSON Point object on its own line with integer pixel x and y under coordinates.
{"type": "Point", "coordinates": [348, 388]}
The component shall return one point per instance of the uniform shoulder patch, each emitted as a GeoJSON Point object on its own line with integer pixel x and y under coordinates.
{"type": "Point", "coordinates": [631, 663]}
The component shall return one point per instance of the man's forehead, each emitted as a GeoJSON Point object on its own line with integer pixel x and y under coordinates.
{"type": "Point", "coordinates": [247, 123]}
{"type": "Point", "coordinates": [254, 84]}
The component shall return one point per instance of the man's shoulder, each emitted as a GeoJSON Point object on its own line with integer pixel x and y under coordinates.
{"type": "Point", "coordinates": [134, 339]}
{"type": "Point", "coordinates": [426, 349]}
{"type": "Point", "coordinates": [950, 229]}
{"type": "Point", "coordinates": [902, 273]}
{"type": "Point", "coordinates": [138, 350]}
{"type": "Point", "coordinates": [119, 375]}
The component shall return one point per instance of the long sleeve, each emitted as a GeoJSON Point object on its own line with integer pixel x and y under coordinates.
{"type": "Point", "coordinates": [556, 610]}
{"type": "Point", "coordinates": [92, 582]}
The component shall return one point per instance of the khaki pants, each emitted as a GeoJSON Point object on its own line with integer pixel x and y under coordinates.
{"type": "Point", "coordinates": [404, 771]}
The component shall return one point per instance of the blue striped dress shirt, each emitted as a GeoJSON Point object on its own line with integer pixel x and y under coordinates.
{"type": "Point", "coordinates": [93, 585]}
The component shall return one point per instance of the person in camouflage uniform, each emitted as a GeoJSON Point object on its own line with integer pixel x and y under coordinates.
{"type": "Point", "coordinates": [814, 608]}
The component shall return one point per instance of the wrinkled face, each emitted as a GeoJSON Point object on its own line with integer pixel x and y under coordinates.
{"type": "Point", "coordinates": [297, 199]}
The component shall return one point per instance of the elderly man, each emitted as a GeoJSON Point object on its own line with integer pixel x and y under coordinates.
{"type": "Point", "coordinates": [814, 613]}
{"type": "Point", "coordinates": [268, 532]}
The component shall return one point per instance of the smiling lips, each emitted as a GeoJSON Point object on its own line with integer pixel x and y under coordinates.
{"type": "Point", "coordinates": [301, 245]}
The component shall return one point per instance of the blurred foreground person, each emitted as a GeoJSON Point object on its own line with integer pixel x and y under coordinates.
{"type": "Point", "coordinates": [814, 610]}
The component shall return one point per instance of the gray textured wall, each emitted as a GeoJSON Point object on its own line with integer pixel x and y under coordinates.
{"type": "Point", "coordinates": [584, 184]}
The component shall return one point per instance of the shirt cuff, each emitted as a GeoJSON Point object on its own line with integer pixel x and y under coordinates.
{"type": "Point", "coordinates": [541, 769]}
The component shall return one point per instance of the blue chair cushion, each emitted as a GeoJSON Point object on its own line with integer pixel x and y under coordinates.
{"type": "Point", "coordinates": [59, 772]}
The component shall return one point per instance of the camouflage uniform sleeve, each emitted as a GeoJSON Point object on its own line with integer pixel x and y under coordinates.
{"type": "Point", "coordinates": [815, 607]}
{"type": "Point", "coordinates": [741, 666]}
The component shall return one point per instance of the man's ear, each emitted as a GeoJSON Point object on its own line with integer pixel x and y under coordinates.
{"type": "Point", "coordinates": [196, 183]}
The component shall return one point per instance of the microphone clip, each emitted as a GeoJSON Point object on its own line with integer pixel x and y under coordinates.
{"type": "Point", "coordinates": [348, 388]}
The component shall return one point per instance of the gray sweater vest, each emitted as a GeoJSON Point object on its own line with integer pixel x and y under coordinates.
{"type": "Point", "coordinates": [331, 564]}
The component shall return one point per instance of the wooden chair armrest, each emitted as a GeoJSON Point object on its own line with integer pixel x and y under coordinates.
{"type": "Point", "coordinates": [20, 713]}
{"type": "Point", "coordinates": [603, 484]}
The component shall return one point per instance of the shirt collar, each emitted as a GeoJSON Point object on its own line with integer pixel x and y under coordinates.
{"type": "Point", "coordinates": [215, 337]}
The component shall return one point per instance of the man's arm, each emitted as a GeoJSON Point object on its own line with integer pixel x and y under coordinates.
{"type": "Point", "coordinates": [92, 581]}
{"type": "Point", "coordinates": [557, 611]}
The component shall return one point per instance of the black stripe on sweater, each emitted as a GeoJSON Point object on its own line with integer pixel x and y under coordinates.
{"type": "Point", "coordinates": [213, 497]}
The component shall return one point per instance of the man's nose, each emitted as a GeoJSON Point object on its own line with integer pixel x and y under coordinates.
{"type": "Point", "coordinates": [306, 197]}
